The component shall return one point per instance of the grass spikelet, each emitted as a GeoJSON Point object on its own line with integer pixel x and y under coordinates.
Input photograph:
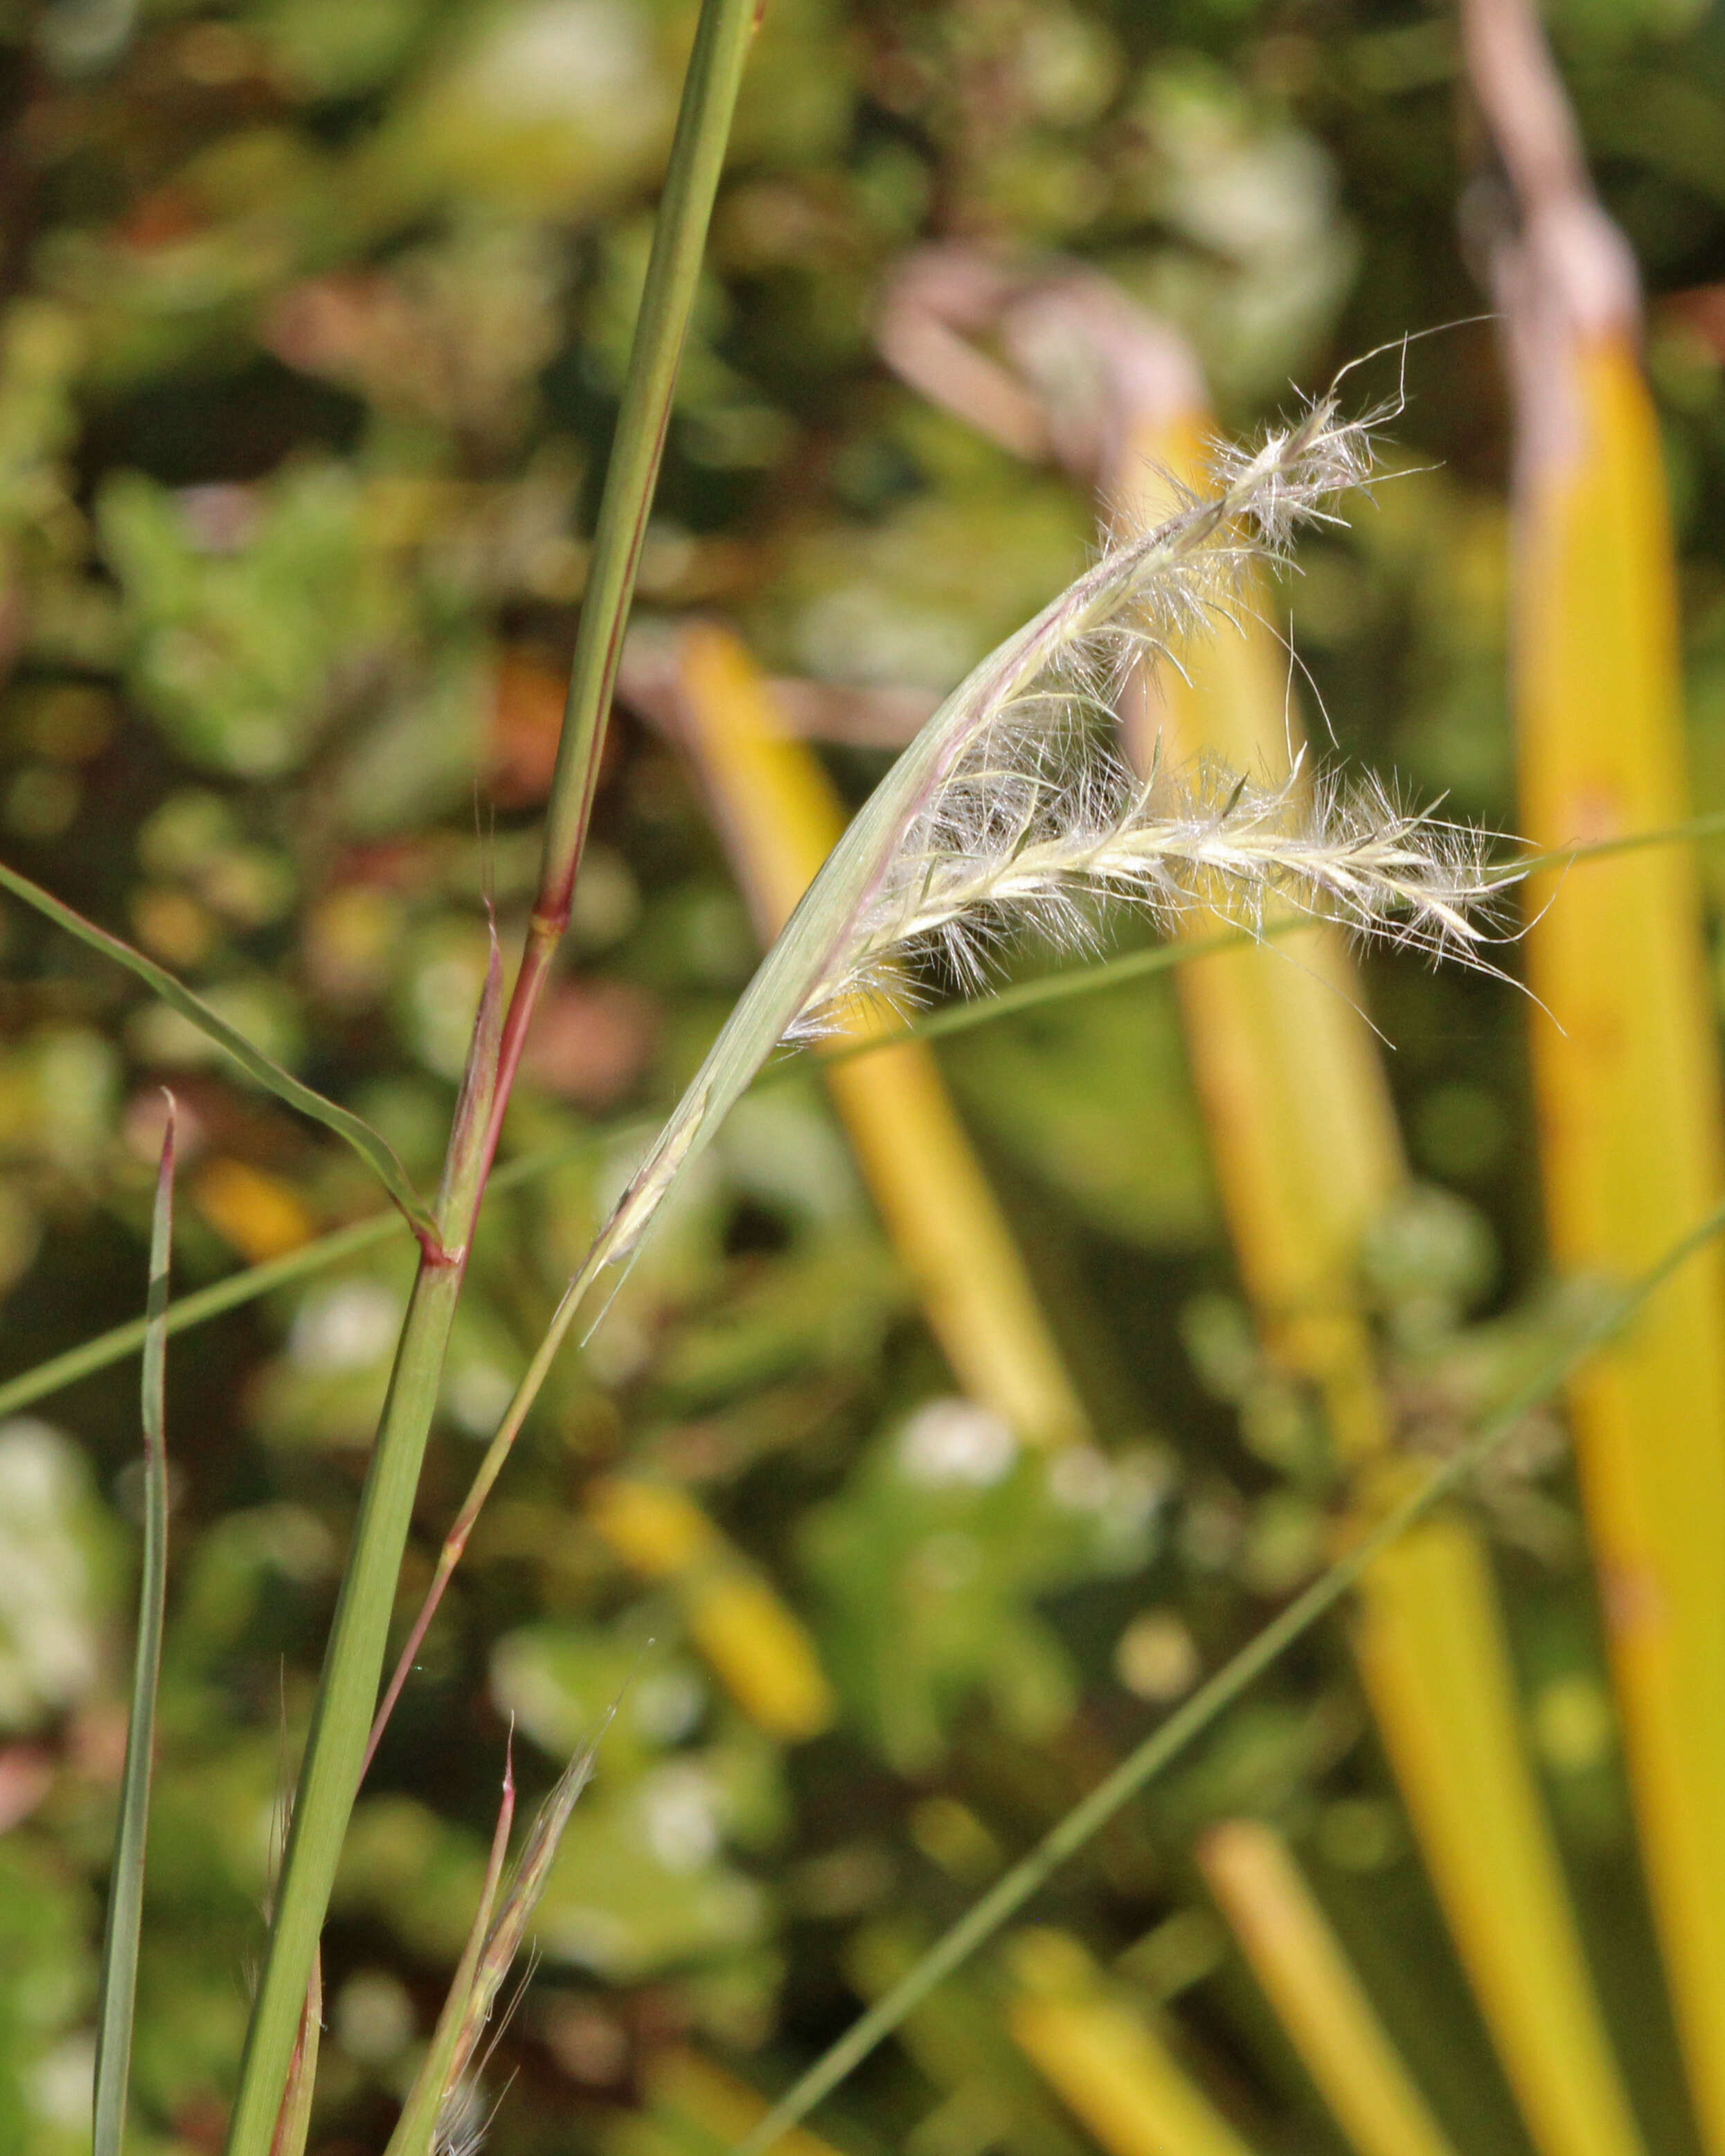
{"type": "Point", "coordinates": [455, 2130]}
{"type": "Point", "coordinates": [443, 2115]}
{"type": "Point", "coordinates": [1036, 849]}
{"type": "Point", "coordinates": [438, 2082]}
{"type": "Point", "coordinates": [988, 771]}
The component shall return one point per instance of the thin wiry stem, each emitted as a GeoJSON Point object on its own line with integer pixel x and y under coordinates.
{"type": "Point", "coordinates": [721, 44]}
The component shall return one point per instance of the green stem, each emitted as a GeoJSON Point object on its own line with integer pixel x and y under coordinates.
{"type": "Point", "coordinates": [335, 1749]}
{"type": "Point", "coordinates": [1010, 1893]}
{"type": "Point", "coordinates": [341, 1719]}
{"type": "Point", "coordinates": [336, 1752]}
{"type": "Point", "coordinates": [692, 182]}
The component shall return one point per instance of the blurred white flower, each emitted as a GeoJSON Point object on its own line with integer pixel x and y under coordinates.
{"type": "Point", "coordinates": [953, 1440]}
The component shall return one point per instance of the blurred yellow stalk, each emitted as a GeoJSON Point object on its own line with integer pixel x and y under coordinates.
{"type": "Point", "coordinates": [1429, 1625]}
{"type": "Point", "coordinates": [682, 2086]}
{"type": "Point", "coordinates": [1625, 1065]}
{"type": "Point", "coordinates": [757, 1647]}
{"type": "Point", "coordinates": [1307, 1156]}
{"type": "Point", "coordinates": [781, 818]}
{"type": "Point", "coordinates": [1103, 2059]}
{"type": "Point", "coordinates": [1308, 1979]}
{"type": "Point", "coordinates": [958, 2041]}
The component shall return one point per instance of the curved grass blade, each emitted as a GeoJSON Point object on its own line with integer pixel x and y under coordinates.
{"type": "Point", "coordinates": [1189, 1721]}
{"type": "Point", "coordinates": [374, 1149]}
{"type": "Point", "coordinates": [125, 1889]}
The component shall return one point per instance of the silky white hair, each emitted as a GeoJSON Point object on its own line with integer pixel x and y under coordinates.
{"type": "Point", "coordinates": [1035, 823]}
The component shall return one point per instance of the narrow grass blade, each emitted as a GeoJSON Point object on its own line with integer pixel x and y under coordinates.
{"type": "Point", "coordinates": [125, 1886]}
{"type": "Point", "coordinates": [760, 1648]}
{"type": "Point", "coordinates": [1308, 1156]}
{"type": "Point", "coordinates": [780, 818]}
{"type": "Point", "coordinates": [205, 1303]}
{"type": "Point", "coordinates": [1188, 1722]}
{"type": "Point", "coordinates": [1626, 1066]}
{"type": "Point", "coordinates": [370, 1145]}
{"type": "Point", "coordinates": [1107, 2063]}
{"type": "Point", "coordinates": [1316, 1995]}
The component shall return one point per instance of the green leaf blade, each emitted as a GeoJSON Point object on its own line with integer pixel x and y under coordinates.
{"type": "Point", "coordinates": [372, 1147]}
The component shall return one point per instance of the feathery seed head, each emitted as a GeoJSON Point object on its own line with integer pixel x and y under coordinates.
{"type": "Point", "coordinates": [1028, 821]}
{"type": "Point", "coordinates": [1009, 811]}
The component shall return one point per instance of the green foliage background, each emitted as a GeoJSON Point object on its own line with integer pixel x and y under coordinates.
{"type": "Point", "coordinates": [314, 317]}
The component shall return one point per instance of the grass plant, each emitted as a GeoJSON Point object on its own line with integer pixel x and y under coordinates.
{"type": "Point", "coordinates": [339, 1740]}
{"type": "Point", "coordinates": [1011, 1893]}
{"type": "Point", "coordinates": [1312, 1159]}
{"type": "Point", "coordinates": [1010, 814]}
